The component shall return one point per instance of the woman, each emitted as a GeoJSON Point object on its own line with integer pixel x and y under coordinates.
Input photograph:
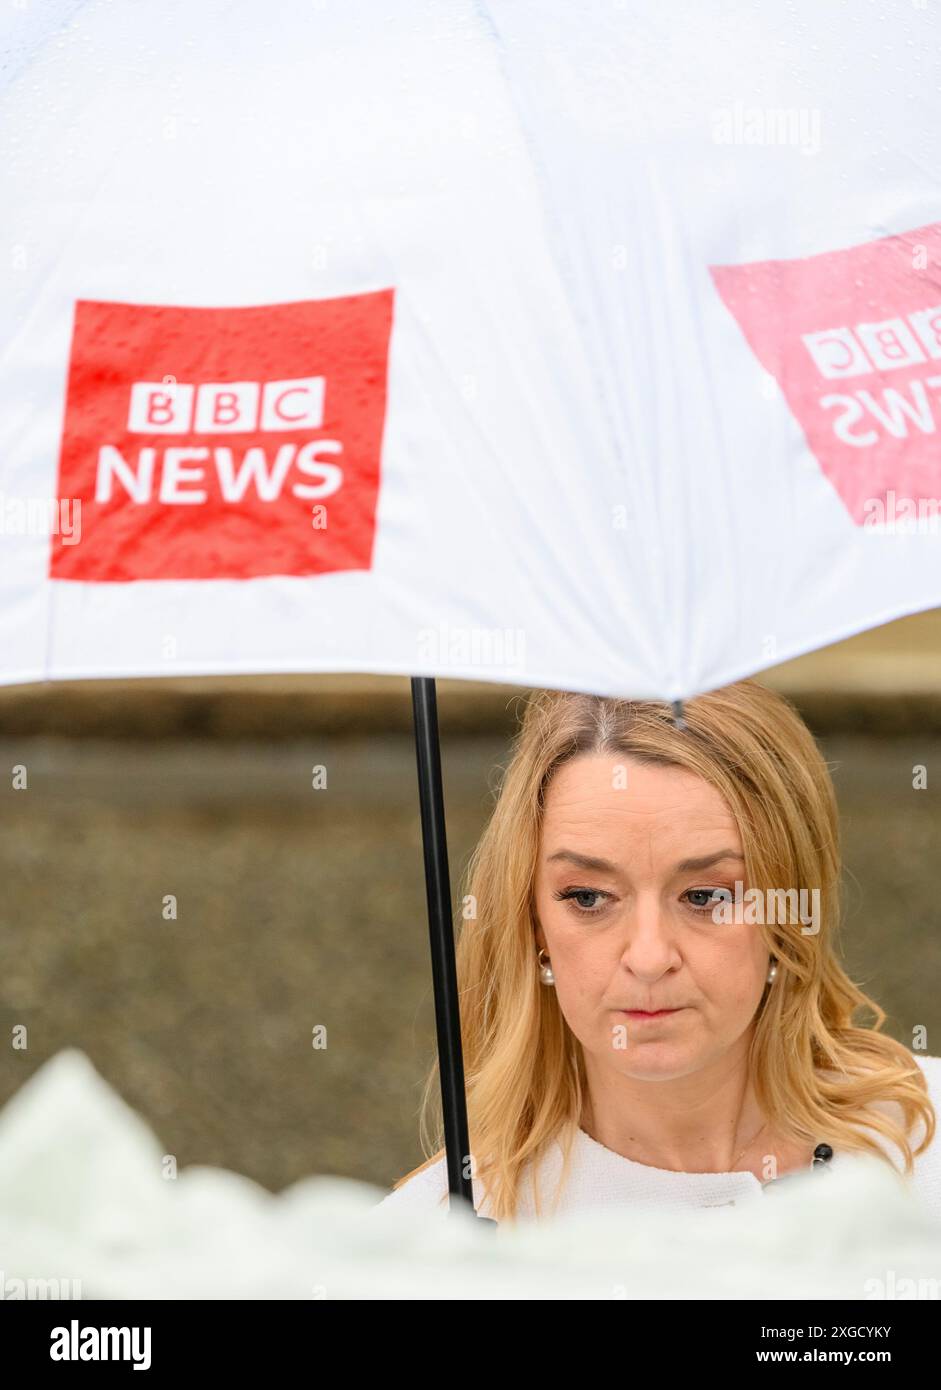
{"type": "Point", "coordinates": [653, 1010]}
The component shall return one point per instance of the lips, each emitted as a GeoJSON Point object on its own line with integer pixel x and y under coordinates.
{"type": "Point", "coordinates": [649, 1013]}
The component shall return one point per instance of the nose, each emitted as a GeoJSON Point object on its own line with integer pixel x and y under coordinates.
{"type": "Point", "coordinates": [649, 949]}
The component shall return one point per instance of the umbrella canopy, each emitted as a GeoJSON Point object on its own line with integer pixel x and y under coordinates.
{"type": "Point", "coordinates": [580, 346]}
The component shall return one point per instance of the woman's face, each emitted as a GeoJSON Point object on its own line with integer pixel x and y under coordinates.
{"type": "Point", "coordinates": [630, 861]}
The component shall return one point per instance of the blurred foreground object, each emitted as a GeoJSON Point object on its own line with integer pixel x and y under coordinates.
{"type": "Point", "coordinates": [84, 1197]}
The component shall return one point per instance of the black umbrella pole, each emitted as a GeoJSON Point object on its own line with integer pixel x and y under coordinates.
{"type": "Point", "coordinates": [441, 927]}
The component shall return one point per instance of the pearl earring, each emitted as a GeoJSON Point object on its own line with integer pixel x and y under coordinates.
{"type": "Point", "coordinates": [545, 969]}
{"type": "Point", "coordinates": [772, 972]}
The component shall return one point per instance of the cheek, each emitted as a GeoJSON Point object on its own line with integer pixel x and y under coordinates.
{"type": "Point", "coordinates": [558, 928]}
{"type": "Point", "coordinates": [731, 967]}
{"type": "Point", "coordinates": [583, 970]}
{"type": "Point", "coordinates": [569, 943]}
{"type": "Point", "coordinates": [580, 957]}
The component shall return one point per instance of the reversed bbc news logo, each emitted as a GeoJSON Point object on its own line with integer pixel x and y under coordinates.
{"type": "Point", "coordinates": [853, 339]}
{"type": "Point", "coordinates": [200, 440]}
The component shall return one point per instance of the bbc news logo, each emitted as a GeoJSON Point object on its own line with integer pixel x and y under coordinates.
{"type": "Point", "coordinates": [858, 359]}
{"type": "Point", "coordinates": [235, 407]}
{"type": "Point", "coordinates": [199, 441]}
{"type": "Point", "coordinates": [212, 408]}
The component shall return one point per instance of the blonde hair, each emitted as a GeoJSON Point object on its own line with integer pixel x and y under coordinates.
{"type": "Point", "coordinates": [814, 1070]}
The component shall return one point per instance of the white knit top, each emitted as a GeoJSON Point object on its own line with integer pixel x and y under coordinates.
{"type": "Point", "coordinates": [599, 1177]}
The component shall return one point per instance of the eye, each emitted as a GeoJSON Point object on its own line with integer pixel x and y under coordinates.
{"type": "Point", "coordinates": [580, 907]}
{"type": "Point", "coordinates": [712, 897]}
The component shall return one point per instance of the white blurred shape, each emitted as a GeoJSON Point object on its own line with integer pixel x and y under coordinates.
{"type": "Point", "coordinates": [82, 1197]}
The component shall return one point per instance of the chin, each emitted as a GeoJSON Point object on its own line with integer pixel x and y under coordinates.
{"type": "Point", "coordinates": [656, 1061]}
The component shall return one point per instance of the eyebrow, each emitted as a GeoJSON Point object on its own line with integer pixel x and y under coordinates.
{"type": "Point", "coordinates": [588, 861]}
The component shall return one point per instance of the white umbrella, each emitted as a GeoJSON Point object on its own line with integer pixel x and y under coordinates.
{"type": "Point", "coordinates": [593, 347]}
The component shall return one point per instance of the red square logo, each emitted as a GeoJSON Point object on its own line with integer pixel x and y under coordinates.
{"type": "Point", "coordinates": [224, 443]}
{"type": "Point", "coordinates": [853, 340]}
